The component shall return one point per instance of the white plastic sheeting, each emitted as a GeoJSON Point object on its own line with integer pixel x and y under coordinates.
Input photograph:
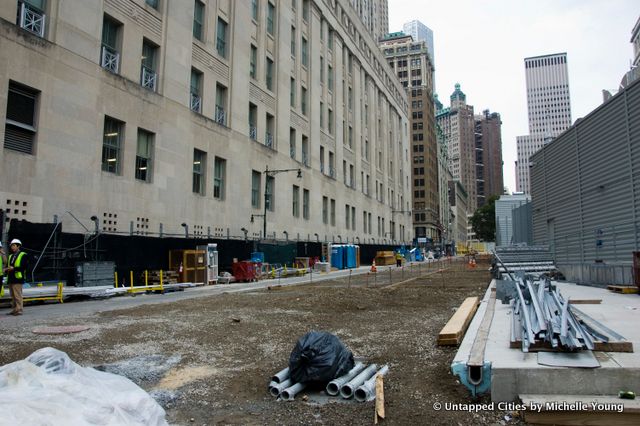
{"type": "Point", "coordinates": [48, 388]}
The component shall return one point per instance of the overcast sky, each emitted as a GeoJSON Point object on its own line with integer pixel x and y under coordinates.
{"type": "Point", "coordinates": [482, 46]}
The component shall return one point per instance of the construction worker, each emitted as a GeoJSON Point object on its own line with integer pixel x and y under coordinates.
{"type": "Point", "coordinates": [398, 259]}
{"type": "Point", "coordinates": [16, 271]}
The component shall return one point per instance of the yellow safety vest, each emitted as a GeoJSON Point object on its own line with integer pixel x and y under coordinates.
{"type": "Point", "coordinates": [16, 264]}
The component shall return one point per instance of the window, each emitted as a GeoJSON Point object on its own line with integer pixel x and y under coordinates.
{"type": "Point", "coordinates": [270, 188]}
{"type": "Point", "coordinates": [221, 105]}
{"type": "Point", "coordinates": [20, 123]}
{"type": "Point", "coordinates": [110, 55]}
{"type": "Point", "coordinates": [292, 143]}
{"type": "Point", "coordinates": [195, 94]}
{"type": "Point", "coordinates": [305, 204]}
{"type": "Point", "coordinates": [350, 99]}
{"type": "Point", "coordinates": [219, 172]}
{"type": "Point", "coordinates": [333, 212]}
{"type": "Point", "coordinates": [271, 11]}
{"type": "Point", "coordinates": [199, 167]}
{"type": "Point", "coordinates": [253, 62]}
{"type": "Point", "coordinates": [330, 39]}
{"type": "Point", "coordinates": [321, 159]}
{"type": "Point", "coordinates": [269, 74]}
{"type": "Point", "coordinates": [330, 120]}
{"type": "Point", "coordinates": [293, 41]}
{"type": "Point", "coordinates": [296, 201]}
{"type": "Point", "coordinates": [198, 20]}
{"type": "Point", "coordinates": [303, 100]}
{"type": "Point", "coordinates": [321, 115]}
{"type": "Point", "coordinates": [321, 70]}
{"type": "Point", "coordinates": [353, 218]}
{"type": "Point", "coordinates": [269, 134]}
{"type": "Point", "coordinates": [304, 53]}
{"type": "Point", "coordinates": [325, 210]}
{"type": "Point", "coordinates": [347, 215]}
{"type": "Point", "coordinates": [254, 9]}
{"type": "Point", "coordinates": [305, 150]}
{"type": "Point", "coordinates": [292, 95]}
{"type": "Point", "coordinates": [255, 189]}
{"type": "Point", "coordinates": [330, 78]}
{"type": "Point", "coordinates": [148, 74]}
{"type": "Point", "coordinates": [253, 121]}
{"type": "Point", "coordinates": [144, 154]}
{"type": "Point", "coordinates": [152, 3]}
{"type": "Point", "coordinates": [112, 145]}
{"type": "Point", "coordinates": [31, 16]}
{"type": "Point", "coordinates": [305, 10]}
{"type": "Point", "coordinates": [221, 39]}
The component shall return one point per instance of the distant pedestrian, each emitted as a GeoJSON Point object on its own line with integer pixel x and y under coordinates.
{"type": "Point", "coordinates": [16, 271]}
{"type": "Point", "coordinates": [398, 259]}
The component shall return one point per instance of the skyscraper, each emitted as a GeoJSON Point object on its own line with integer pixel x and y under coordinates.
{"type": "Point", "coordinates": [488, 138]}
{"type": "Point", "coordinates": [420, 32]}
{"type": "Point", "coordinates": [374, 14]}
{"type": "Point", "coordinates": [548, 107]}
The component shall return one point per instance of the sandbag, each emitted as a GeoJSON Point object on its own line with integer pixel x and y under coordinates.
{"type": "Point", "coordinates": [319, 357]}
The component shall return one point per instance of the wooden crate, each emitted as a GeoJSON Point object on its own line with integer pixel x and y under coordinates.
{"type": "Point", "coordinates": [193, 263]}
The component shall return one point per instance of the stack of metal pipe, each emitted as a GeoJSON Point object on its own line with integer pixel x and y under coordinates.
{"type": "Point", "coordinates": [358, 382]}
{"type": "Point", "coordinates": [540, 314]}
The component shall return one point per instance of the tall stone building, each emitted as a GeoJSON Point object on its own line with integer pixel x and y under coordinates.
{"type": "Point", "coordinates": [458, 126]}
{"type": "Point", "coordinates": [488, 140]}
{"type": "Point", "coordinates": [548, 109]}
{"type": "Point", "coordinates": [155, 116]}
{"type": "Point", "coordinates": [411, 62]}
{"type": "Point", "coordinates": [374, 15]}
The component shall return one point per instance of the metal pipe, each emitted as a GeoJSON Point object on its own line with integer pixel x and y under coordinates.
{"type": "Point", "coordinates": [279, 387]}
{"type": "Point", "coordinates": [281, 375]}
{"type": "Point", "coordinates": [289, 394]}
{"type": "Point", "coordinates": [525, 313]}
{"type": "Point", "coordinates": [333, 387]}
{"type": "Point", "coordinates": [348, 388]}
{"type": "Point", "coordinates": [367, 391]}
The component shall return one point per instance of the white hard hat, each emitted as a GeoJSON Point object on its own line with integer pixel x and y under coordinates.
{"type": "Point", "coordinates": [16, 241]}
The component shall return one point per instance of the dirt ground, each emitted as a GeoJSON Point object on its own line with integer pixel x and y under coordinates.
{"type": "Point", "coordinates": [209, 360]}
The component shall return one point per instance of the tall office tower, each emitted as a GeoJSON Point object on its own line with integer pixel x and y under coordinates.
{"type": "Point", "coordinates": [548, 108]}
{"type": "Point", "coordinates": [411, 62]}
{"type": "Point", "coordinates": [488, 139]}
{"type": "Point", "coordinates": [458, 126]}
{"type": "Point", "coordinates": [202, 113]}
{"type": "Point", "coordinates": [420, 32]}
{"type": "Point", "coordinates": [374, 14]}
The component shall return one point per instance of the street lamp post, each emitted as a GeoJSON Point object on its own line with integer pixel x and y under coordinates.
{"type": "Point", "coordinates": [267, 174]}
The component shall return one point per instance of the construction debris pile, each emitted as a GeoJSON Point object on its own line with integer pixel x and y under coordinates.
{"type": "Point", "coordinates": [320, 359]}
{"type": "Point", "coordinates": [542, 317]}
{"type": "Point", "coordinates": [359, 383]}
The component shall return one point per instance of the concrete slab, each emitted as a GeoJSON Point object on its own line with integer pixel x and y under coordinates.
{"type": "Point", "coordinates": [514, 372]}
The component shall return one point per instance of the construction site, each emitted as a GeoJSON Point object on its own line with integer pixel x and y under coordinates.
{"type": "Point", "coordinates": [455, 353]}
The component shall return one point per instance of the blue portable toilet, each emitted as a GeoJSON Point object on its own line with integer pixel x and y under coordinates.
{"type": "Point", "coordinates": [350, 256]}
{"type": "Point", "coordinates": [337, 256]}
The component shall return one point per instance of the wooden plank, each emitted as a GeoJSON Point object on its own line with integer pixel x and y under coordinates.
{"type": "Point", "coordinates": [585, 301]}
{"type": "Point", "coordinates": [624, 289]}
{"type": "Point", "coordinates": [476, 356]}
{"type": "Point", "coordinates": [457, 325]}
{"type": "Point", "coordinates": [379, 398]}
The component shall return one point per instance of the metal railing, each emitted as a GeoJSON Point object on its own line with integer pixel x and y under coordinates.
{"type": "Point", "coordinates": [268, 139]}
{"type": "Point", "coordinates": [253, 132]}
{"type": "Point", "coordinates": [110, 59]}
{"type": "Point", "coordinates": [148, 78]}
{"type": "Point", "coordinates": [332, 172]}
{"type": "Point", "coordinates": [292, 152]}
{"type": "Point", "coordinates": [195, 102]}
{"type": "Point", "coordinates": [221, 115]}
{"type": "Point", "coordinates": [32, 19]}
{"type": "Point", "coordinates": [305, 159]}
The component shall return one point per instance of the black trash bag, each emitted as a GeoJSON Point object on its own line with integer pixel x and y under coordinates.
{"type": "Point", "coordinates": [319, 357]}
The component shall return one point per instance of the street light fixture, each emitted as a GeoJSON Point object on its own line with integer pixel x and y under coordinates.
{"type": "Point", "coordinates": [270, 173]}
{"type": "Point", "coordinates": [186, 229]}
{"type": "Point", "coordinates": [317, 237]}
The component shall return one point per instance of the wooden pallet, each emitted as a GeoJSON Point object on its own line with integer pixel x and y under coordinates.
{"type": "Point", "coordinates": [623, 289]}
{"type": "Point", "coordinates": [453, 332]}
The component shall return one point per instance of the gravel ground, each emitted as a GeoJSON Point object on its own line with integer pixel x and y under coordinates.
{"type": "Point", "coordinates": [209, 360]}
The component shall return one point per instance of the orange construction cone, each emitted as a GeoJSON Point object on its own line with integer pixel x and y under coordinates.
{"type": "Point", "coordinates": [373, 266]}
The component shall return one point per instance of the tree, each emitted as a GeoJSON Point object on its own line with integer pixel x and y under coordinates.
{"type": "Point", "coordinates": [483, 221]}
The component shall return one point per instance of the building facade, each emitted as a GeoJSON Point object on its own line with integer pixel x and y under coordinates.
{"type": "Point", "coordinates": [411, 63]}
{"type": "Point", "coordinates": [488, 156]}
{"type": "Point", "coordinates": [221, 117]}
{"type": "Point", "coordinates": [548, 109]}
{"type": "Point", "coordinates": [374, 14]}
{"type": "Point", "coordinates": [505, 206]}
{"type": "Point", "coordinates": [585, 190]}
{"type": "Point", "coordinates": [420, 32]}
{"type": "Point", "coordinates": [458, 127]}
{"type": "Point", "coordinates": [458, 200]}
